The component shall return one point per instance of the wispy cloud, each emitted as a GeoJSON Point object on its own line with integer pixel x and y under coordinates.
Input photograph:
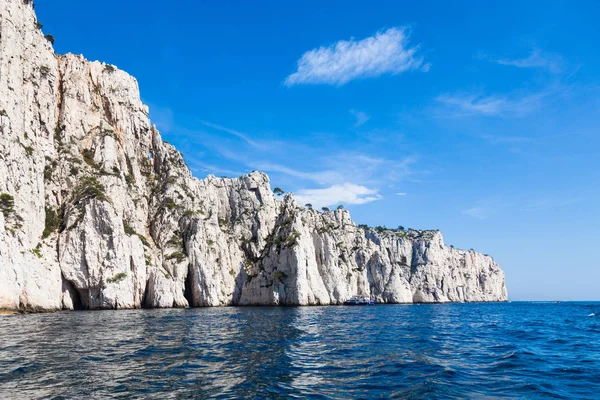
{"type": "Point", "coordinates": [509, 140]}
{"type": "Point", "coordinates": [162, 117]}
{"type": "Point", "coordinates": [479, 212]}
{"type": "Point", "coordinates": [491, 206]}
{"type": "Point", "coordinates": [321, 177]}
{"type": "Point", "coordinates": [514, 104]}
{"type": "Point", "coordinates": [348, 167]}
{"type": "Point", "coordinates": [346, 193]}
{"type": "Point", "coordinates": [516, 140]}
{"type": "Point", "coordinates": [233, 132]}
{"type": "Point", "coordinates": [401, 194]}
{"type": "Point", "coordinates": [361, 175]}
{"type": "Point", "coordinates": [473, 104]}
{"type": "Point", "coordinates": [537, 59]}
{"type": "Point", "coordinates": [550, 203]}
{"type": "Point", "coordinates": [385, 53]}
{"type": "Point", "coordinates": [202, 168]}
{"type": "Point", "coordinates": [335, 174]}
{"type": "Point", "coordinates": [488, 207]}
{"type": "Point", "coordinates": [361, 117]}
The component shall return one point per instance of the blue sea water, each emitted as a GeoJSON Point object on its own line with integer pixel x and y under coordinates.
{"type": "Point", "coordinates": [505, 350]}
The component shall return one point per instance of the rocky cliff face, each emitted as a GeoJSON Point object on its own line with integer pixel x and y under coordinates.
{"type": "Point", "coordinates": [97, 211]}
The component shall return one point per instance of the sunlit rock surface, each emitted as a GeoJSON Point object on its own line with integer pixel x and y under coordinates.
{"type": "Point", "coordinates": [99, 212]}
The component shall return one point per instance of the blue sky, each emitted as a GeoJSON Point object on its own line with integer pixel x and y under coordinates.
{"type": "Point", "coordinates": [480, 119]}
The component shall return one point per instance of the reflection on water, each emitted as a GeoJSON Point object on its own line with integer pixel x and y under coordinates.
{"type": "Point", "coordinates": [430, 351]}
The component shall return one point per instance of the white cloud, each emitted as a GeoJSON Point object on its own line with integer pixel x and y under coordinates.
{"type": "Point", "coordinates": [361, 117]}
{"type": "Point", "coordinates": [385, 53]}
{"type": "Point", "coordinates": [345, 167]}
{"type": "Point", "coordinates": [510, 140]}
{"type": "Point", "coordinates": [537, 59]}
{"type": "Point", "coordinates": [550, 203]}
{"type": "Point", "coordinates": [321, 177]}
{"type": "Point", "coordinates": [346, 193]}
{"type": "Point", "coordinates": [515, 104]}
{"type": "Point", "coordinates": [479, 212]}
{"type": "Point", "coordinates": [473, 104]}
{"type": "Point", "coordinates": [498, 205]}
{"type": "Point", "coordinates": [233, 132]}
{"type": "Point", "coordinates": [401, 194]}
{"type": "Point", "coordinates": [203, 168]}
{"type": "Point", "coordinates": [490, 207]}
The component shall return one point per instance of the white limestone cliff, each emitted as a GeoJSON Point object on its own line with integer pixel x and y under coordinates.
{"type": "Point", "coordinates": [97, 211]}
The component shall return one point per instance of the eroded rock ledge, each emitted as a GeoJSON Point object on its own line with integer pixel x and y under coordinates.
{"type": "Point", "coordinates": [98, 212]}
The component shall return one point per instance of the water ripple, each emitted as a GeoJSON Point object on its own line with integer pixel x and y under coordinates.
{"type": "Point", "coordinates": [514, 350]}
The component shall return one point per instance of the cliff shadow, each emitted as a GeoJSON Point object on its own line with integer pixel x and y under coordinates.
{"type": "Point", "coordinates": [188, 291]}
{"type": "Point", "coordinates": [240, 279]}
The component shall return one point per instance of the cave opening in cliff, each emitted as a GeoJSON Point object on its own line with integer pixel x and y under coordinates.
{"type": "Point", "coordinates": [76, 298]}
{"type": "Point", "coordinates": [78, 303]}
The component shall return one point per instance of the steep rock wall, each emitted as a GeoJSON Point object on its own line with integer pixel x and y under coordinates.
{"type": "Point", "coordinates": [99, 212]}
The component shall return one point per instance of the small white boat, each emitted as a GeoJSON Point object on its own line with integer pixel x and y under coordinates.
{"type": "Point", "coordinates": [359, 301]}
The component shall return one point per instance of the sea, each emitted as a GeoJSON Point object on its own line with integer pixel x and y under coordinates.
{"type": "Point", "coordinates": [517, 350]}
